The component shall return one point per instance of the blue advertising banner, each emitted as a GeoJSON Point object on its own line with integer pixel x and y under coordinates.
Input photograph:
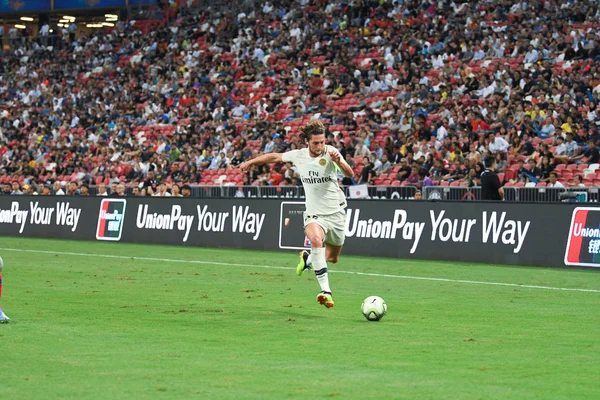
{"type": "Point", "coordinates": [11, 6]}
{"type": "Point", "coordinates": [74, 4]}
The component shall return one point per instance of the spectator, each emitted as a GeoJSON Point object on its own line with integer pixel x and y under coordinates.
{"type": "Point", "coordinates": [521, 173]}
{"type": "Point", "coordinates": [545, 169]}
{"type": "Point", "coordinates": [367, 174]}
{"type": "Point", "coordinates": [29, 190]}
{"type": "Point", "coordinates": [126, 114]}
{"type": "Point", "coordinates": [553, 181]}
{"type": "Point", "coordinates": [162, 191]}
{"type": "Point", "coordinates": [590, 155]}
{"type": "Point", "coordinates": [457, 173]}
{"type": "Point", "coordinates": [175, 192]}
{"type": "Point", "coordinates": [361, 151]}
{"type": "Point", "coordinates": [438, 172]}
{"type": "Point", "coordinates": [101, 190]}
{"type": "Point", "coordinates": [186, 191]}
{"type": "Point", "coordinates": [16, 189]}
{"type": "Point", "coordinates": [46, 190]}
{"type": "Point", "coordinates": [57, 187]}
{"type": "Point", "coordinates": [84, 190]}
{"type": "Point", "coordinates": [404, 171]}
{"type": "Point", "coordinates": [413, 178]}
{"type": "Point", "coordinates": [386, 166]}
{"type": "Point", "coordinates": [424, 179]}
{"type": "Point", "coordinates": [377, 165]}
{"type": "Point", "coordinates": [533, 174]}
{"type": "Point", "coordinates": [473, 178]}
{"type": "Point", "coordinates": [497, 144]}
{"type": "Point", "coordinates": [72, 189]}
{"type": "Point", "coordinates": [119, 191]}
{"type": "Point", "coordinates": [577, 181]}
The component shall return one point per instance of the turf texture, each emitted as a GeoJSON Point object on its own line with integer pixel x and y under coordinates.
{"type": "Point", "coordinates": [121, 321]}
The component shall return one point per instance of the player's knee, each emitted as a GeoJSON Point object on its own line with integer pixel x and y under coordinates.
{"type": "Point", "coordinates": [315, 240]}
{"type": "Point", "coordinates": [332, 259]}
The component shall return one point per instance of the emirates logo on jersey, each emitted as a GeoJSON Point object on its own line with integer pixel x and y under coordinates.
{"type": "Point", "coordinates": [314, 179]}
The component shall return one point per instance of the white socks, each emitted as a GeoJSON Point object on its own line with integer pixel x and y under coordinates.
{"type": "Point", "coordinates": [319, 264]}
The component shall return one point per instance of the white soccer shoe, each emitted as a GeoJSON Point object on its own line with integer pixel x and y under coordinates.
{"type": "Point", "coordinates": [3, 318]}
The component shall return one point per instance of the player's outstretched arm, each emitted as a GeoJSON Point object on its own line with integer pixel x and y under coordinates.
{"type": "Point", "coordinates": [268, 158]}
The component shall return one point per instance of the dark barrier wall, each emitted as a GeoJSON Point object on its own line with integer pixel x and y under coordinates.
{"type": "Point", "coordinates": [11, 6]}
{"type": "Point", "coordinates": [76, 4]}
{"type": "Point", "coordinates": [18, 6]}
{"type": "Point", "coordinates": [507, 233]}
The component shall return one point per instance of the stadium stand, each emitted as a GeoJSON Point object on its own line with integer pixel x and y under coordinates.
{"type": "Point", "coordinates": [402, 86]}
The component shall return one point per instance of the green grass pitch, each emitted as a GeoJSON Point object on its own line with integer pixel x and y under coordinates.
{"type": "Point", "coordinates": [242, 325]}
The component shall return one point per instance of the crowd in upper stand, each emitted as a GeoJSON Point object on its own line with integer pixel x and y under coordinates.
{"type": "Point", "coordinates": [411, 92]}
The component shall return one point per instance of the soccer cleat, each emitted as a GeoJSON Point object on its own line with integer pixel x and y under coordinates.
{"type": "Point", "coordinates": [3, 318]}
{"type": "Point", "coordinates": [303, 265]}
{"type": "Point", "coordinates": [325, 299]}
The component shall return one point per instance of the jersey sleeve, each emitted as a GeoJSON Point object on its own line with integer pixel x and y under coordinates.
{"type": "Point", "coordinates": [330, 148]}
{"type": "Point", "coordinates": [290, 156]}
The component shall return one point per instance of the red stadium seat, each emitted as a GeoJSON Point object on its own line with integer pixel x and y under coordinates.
{"type": "Point", "coordinates": [566, 175]}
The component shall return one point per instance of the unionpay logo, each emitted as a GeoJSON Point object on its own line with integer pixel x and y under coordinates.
{"type": "Point", "coordinates": [111, 219]}
{"type": "Point", "coordinates": [583, 246]}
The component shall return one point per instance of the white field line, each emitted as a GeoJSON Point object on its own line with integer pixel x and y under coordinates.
{"type": "Point", "coordinates": [421, 278]}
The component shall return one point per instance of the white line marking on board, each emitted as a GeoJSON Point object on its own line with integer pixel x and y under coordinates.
{"type": "Point", "coordinates": [420, 278]}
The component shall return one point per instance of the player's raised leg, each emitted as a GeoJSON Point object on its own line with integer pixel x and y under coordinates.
{"type": "Point", "coordinates": [332, 252]}
{"type": "Point", "coordinates": [305, 262]}
{"type": "Point", "coordinates": [3, 318]}
{"type": "Point", "coordinates": [316, 235]}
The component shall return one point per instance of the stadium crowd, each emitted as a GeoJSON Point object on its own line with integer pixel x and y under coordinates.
{"type": "Point", "coordinates": [411, 92]}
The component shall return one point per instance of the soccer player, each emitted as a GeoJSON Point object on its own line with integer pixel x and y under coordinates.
{"type": "Point", "coordinates": [325, 216]}
{"type": "Point", "coordinates": [3, 318]}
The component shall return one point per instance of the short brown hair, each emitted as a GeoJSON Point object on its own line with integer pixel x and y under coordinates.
{"type": "Point", "coordinates": [311, 129]}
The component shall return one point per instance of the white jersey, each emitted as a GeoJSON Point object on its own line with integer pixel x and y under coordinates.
{"type": "Point", "coordinates": [319, 178]}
